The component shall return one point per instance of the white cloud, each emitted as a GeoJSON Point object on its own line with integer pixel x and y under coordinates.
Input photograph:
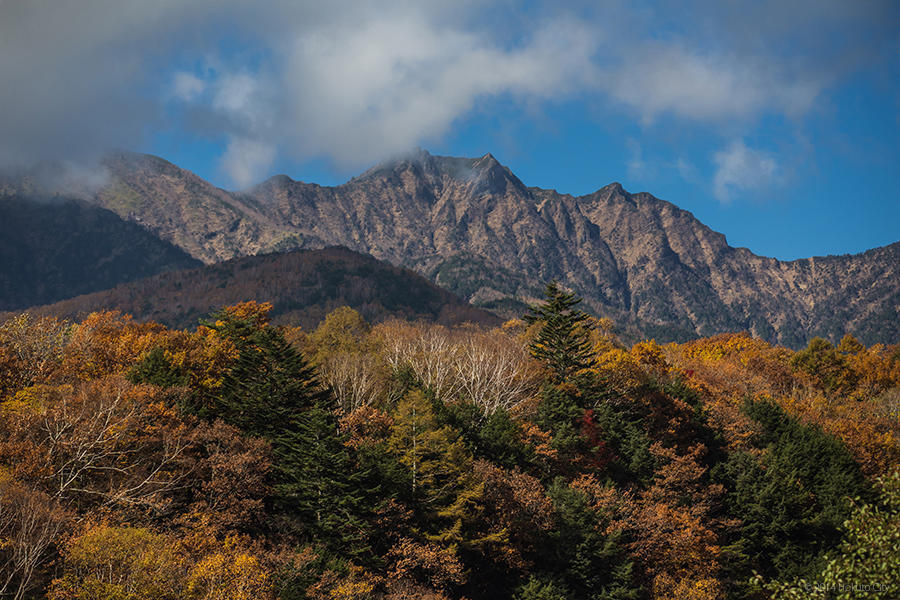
{"type": "Point", "coordinates": [354, 81]}
{"type": "Point", "coordinates": [247, 161]}
{"type": "Point", "coordinates": [358, 93]}
{"type": "Point", "coordinates": [670, 78]}
{"type": "Point", "coordinates": [686, 169]}
{"type": "Point", "coordinates": [739, 168]}
{"type": "Point", "coordinates": [187, 87]}
{"type": "Point", "coordinates": [636, 166]}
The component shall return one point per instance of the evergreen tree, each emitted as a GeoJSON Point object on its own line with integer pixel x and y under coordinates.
{"type": "Point", "coordinates": [590, 562]}
{"type": "Point", "coordinates": [156, 368]}
{"type": "Point", "coordinates": [791, 501]}
{"type": "Point", "coordinates": [562, 342]}
{"type": "Point", "coordinates": [273, 393]}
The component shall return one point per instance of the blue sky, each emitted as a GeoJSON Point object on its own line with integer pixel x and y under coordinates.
{"type": "Point", "coordinates": [775, 123]}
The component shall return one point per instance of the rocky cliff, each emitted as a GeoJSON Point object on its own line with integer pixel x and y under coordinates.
{"type": "Point", "coordinates": [473, 227]}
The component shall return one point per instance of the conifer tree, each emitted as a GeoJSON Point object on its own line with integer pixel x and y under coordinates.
{"type": "Point", "coordinates": [440, 471]}
{"type": "Point", "coordinates": [273, 393]}
{"type": "Point", "coordinates": [562, 342]}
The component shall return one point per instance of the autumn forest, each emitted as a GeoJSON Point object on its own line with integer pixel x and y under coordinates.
{"type": "Point", "coordinates": [543, 459]}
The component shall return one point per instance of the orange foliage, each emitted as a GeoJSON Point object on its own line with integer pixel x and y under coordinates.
{"type": "Point", "coordinates": [517, 508]}
{"type": "Point", "coordinates": [727, 369]}
{"type": "Point", "coordinates": [433, 564]}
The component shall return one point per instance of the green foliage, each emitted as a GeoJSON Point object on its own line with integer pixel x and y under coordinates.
{"type": "Point", "coordinates": [440, 474]}
{"type": "Point", "coordinates": [343, 330]}
{"type": "Point", "coordinates": [558, 413]}
{"type": "Point", "coordinates": [867, 563]}
{"type": "Point", "coordinates": [620, 480]}
{"type": "Point", "coordinates": [434, 455]}
{"type": "Point", "coordinates": [292, 580]}
{"type": "Point", "coordinates": [623, 429]}
{"type": "Point", "coordinates": [791, 502]}
{"type": "Point", "coordinates": [700, 430]}
{"type": "Point", "coordinates": [563, 342]}
{"type": "Point", "coordinates": [829, 367]}
{"type": "Point", "coordinates": [590, 563]}
{"type": "Point", "coordinates": [271, 384]}
{"type": "Point", "coordinates": [273, 393]}
{"type": "Point", "coordinates": [499, 439]}
{"type": "Point", "coordinates": [541, 588]}
{"type": "Point", "coordinates": [496, 436]}
{"type": "Point", "coordinates": [320, 483]}
{"type": "Point", "coordinates": [156, 369]}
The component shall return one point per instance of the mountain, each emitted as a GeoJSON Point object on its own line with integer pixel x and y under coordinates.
{"type": "Point", "coordinates": [470, 225]}
{"type": "Point", "coordinates": [57, 248]}
{"type": "Point", "coordinates": [303, 287]}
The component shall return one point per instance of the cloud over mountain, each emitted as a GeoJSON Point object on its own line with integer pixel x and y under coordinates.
{"type": "Point", "coordinates": [353, 82]}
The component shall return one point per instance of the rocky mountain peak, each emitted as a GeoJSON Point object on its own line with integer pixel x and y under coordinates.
{"type": "Point", "coordinates": [471, 225]}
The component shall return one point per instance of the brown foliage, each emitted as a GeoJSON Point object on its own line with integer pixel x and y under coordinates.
{"type": "Point", "coordinates": [426, 562]}
{"type": "Point", "coordinates": [31, 351]}
{"type": "Point", "coordinates": [30, 524]}
{"type": "Point", "coordinates": [103, 444]}
{"type": "Point", "coordinates": [517, 507]}
{"type": "Point", "coordinates": [229, 480]}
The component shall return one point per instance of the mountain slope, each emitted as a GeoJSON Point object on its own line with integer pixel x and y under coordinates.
{"type": "Point", "coordinates": [54, 249]}
{"type": "Point", "coordinates": [303, 287]}
{"type": "Point", "coordinates": [470, 225]}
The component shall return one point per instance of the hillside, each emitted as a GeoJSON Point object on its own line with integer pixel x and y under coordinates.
{"type": "Point", "coordinates": [472, 226]}
{"type": "Point", "coordinates": [144, 463]}
{"type": "Point", "coordinates": [303, 286]}
{"type": "Point", "coordinates": [55, 249]}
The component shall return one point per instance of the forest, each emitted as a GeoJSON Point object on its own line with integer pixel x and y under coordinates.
{"type": "Point", "coordinates": [543, 459]}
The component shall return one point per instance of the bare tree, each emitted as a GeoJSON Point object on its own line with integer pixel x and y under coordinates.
{"type": "Point", "coordinates": [30, 350]}
{"type": "Point", "coordinates": [356, 379]}
{"type": "Point", "coordinates": [103, 443]}
{"type": "Point", "coordinates": [491, 369]}
{"type": "Point", "coordinates": [30, 523]}
{"type": "Point", "coordinates": [494, 371]}
{"type": "Point", "coordinates": [428, 351]}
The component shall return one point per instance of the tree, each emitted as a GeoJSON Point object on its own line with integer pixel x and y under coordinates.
{"type": "Point", "coordinates": [435, 456]}
{"type": "Point", "coordinates": [273, 393]}
{"type": "Point", "coordinates": [343, 330]}
{"type": "Point", "coordinates": [104, 443]}
{"type": "Point", "coordinates": [112, 563]}
{"type": "Point", "coordinates": [30, 524]}
{"type": "Point", "coordinates": [829, 368]}
{"type": "Point", "coordinates": [583, 552]}
{"type": "Point", "coordinates": [868, 559]}
{"type": "Point", "coordinates": [157, 369]}
{"type": "Point", "coordinates": [30, 351]}
{"type": "Point", "coordinates": [440, 474]}
{"type": "Point", "coordinates": [791, 501]}
{"type": "Point", "coordinates": [229, 575]}
{"type": "Point", "coordinates": [542, 588]}
{"type": "Point", "coordinates": [563, 341]}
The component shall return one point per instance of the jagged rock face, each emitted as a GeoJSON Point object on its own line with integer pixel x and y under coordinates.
{"type": "Point", "coordinates": [472, 226]}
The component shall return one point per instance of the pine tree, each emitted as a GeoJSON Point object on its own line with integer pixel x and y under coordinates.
{"type": "Point", "coordinates": [272, 392]}
{"type": "Point", "coordinates": [562, 342]}
{"type": "Point", "coordinates": [791, 499]}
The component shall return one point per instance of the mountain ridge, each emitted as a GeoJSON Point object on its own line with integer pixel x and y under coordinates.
{"type": "Point", "coordinates": [470, 225]}
{"type": "Point", "coordinates": [53, 248]}
{"type": "Point", "coordinates": [302, 285]}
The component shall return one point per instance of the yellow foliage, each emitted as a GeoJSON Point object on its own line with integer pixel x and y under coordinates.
{"type": "Point", "coordinates": [113, 563]}
{"type": "Point", "coordinates": [650, 355]}
{"type": "Point", "coordinates": [228, 576]}
{"type": "Point", "coordinates": [620, 369]}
